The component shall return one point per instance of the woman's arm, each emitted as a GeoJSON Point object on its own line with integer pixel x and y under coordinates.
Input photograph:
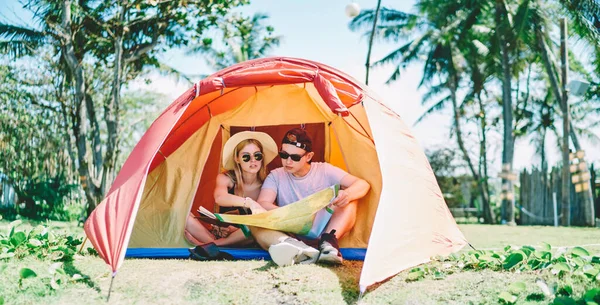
{"type": "Point", "coordinates": [224, 199]}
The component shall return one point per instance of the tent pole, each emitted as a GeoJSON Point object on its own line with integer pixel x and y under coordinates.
{"type": "Point", "coordinates": [82, 244]}
{"type": "Point", "coordinates": [471, 246]}
{"type": "Point", "coordinates": [111, 285]}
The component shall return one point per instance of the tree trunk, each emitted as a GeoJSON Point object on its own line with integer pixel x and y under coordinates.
{"type": "Point", "coordinates": [507, 115]}
{"type": "Point", "coordinates": [488, 213]}
{"type": "Point", "coordinates": [566, 176]}
{"type": "Point", "coordinates": [586, 196]}
{"type": "Point", "coordinates": [92, 192]}
{"type": "Point", "coordinates": [368, 62]}
{"type": "Point", "coordinates": [452, 86]}
{"type": "Point", "coordinates": [111, 109]}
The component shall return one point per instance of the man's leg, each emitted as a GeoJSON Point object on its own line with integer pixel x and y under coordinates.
{"type": "Point", "coordinates": [284, 250]}
{"type": "Point", "coordinates": [266, 238]}
{"type": "Point", "coordinates": [343, 219]}
{"type": "Point", "coordinates": [341, 222]}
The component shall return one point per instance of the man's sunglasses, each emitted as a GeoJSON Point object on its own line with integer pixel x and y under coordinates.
{"type": "Point", "coordinates": [258, 156]}
{"type": "Point", "coordinates": [295, 157]}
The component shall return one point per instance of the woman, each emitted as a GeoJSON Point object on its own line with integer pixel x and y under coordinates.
{"type": "Point", "coordinates": [245, 157]}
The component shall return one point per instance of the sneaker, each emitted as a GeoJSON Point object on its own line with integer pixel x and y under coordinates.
{"type": "Point", "coordinates": [292, 251]}
{"type": "Point", "coordinates": [329, 249]}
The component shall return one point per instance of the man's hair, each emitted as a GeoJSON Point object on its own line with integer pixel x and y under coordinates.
{"type": "Point", "coordinates": [299, 138]}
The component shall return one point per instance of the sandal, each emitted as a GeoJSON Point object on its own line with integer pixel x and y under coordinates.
{"type": "Point", "coordinates": [208, 252]}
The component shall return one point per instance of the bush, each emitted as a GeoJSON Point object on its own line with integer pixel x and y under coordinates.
{"type": "Point", "coordinates": [50, 199]}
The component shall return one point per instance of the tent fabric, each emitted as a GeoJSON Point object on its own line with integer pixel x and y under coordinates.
{"type": "Point", "coordinates": [402, 221]}
{"type": "Point", "coordinates": [351, 254]}
{"type": "Point", "coordinates": [419, 218]}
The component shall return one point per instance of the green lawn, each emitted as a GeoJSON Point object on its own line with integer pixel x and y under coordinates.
{"type": "Point", "coordinates": [147, 281]}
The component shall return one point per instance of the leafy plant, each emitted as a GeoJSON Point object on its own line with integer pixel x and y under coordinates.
{"type": "Point", "coordinates": [39, 242]}
{"type": "Point", "coordinates": [25, 273]}
{"type": "Point", "coordinates": [572, 265]}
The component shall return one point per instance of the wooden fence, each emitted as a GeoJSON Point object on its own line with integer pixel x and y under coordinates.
{"type": "Point", "coordinates": [536, 202]}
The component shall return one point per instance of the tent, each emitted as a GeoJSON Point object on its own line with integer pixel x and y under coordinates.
{"type": "Point", "coordinates": [402, 222]}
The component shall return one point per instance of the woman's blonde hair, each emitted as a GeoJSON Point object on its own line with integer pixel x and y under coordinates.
{"type": "Point", "coordinates": [236, 174]}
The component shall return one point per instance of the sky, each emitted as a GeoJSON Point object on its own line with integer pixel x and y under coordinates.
{"type": "Point", "coordinates": [318, 30]}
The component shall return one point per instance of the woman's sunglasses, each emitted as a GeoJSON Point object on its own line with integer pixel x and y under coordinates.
{"type": "Point", "coordinates": [258, 156]}
{"type": "Point", "coordinates": [295, 157]}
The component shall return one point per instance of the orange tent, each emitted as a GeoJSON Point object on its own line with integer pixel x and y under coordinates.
{"type": "Point", "coordinates": [402, 222]}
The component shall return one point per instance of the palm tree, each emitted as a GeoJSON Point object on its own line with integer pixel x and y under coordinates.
{"type": "Point", "coordinates": [539, 26]}
{"type": "Point", "coordinates": [439, 42]}
{"type": "Point", "coordinates": [244, 38]}
{"type": "Point", "coordinates": [497, 41]}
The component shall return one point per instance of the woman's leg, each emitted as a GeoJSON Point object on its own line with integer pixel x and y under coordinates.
{"type": "Point", "coordinates": [236, 238]}
{"type": "Point", "coordinates": [196, 233]}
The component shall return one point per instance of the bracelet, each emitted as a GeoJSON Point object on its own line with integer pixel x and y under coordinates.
{"type": "Point", "coordinates": [245, 202]}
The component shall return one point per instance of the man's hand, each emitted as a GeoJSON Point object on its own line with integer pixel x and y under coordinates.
{"type": "Point", "coordinates": [341, 200]}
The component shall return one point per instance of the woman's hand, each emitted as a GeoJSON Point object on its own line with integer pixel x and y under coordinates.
{"type": "Point", "coordinates": [255, 207]}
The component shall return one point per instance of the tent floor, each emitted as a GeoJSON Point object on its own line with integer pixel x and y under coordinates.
{"type": "Point", "coordinates": [353, 254]}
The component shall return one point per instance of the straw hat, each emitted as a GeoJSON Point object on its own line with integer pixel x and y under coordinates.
{"type": "Point", "coordinates": [270, 149]}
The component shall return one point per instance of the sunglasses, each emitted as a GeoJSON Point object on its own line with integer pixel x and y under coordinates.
{"type": "Point", "coordinates": [258, 156]}
{"type": "Point", "coordinates": [295, 157]}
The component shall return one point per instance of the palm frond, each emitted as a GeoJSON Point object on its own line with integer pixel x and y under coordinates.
{"type": "Point", "coordinates": [440, 105]}
{"type": "Point", "coordinates": [585, 18]}
{"type": "Point", "coordinates": [407, 52]}
{"type": "Point", "coordinates": [521, 17]}
{"type": "Point", "coordinates": [12, 32]}
{"type": "Point", "coordinates": [433, 92]}
{"type": "Point", "coordinates": [395, 75]}
{"type": "Point", "coordinates": [16, 49]}
{"type": "Point", "coordinates": [364, 20]}
{"type": "Point", "coordinates": [19, 41]}
{"type": "Point", "coordinates": [588, 134]}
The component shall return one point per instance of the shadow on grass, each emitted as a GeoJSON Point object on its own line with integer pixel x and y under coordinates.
{"type": "Point", "coordinates": [70, 269]}
{"type": "Point", "coordinates": [268, 266]}
{"type": "Point", "coordinates": [348, 276]}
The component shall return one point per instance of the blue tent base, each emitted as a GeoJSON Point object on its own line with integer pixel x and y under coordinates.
{"type": "Point", "coordinates": [353, 254]}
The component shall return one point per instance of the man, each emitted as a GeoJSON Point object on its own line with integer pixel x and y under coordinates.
{"type": "Point", "coordinates": [297, 179]}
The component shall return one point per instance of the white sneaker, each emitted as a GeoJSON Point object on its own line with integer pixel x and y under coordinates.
{"type": "Point", "coordinates": [292, 251]}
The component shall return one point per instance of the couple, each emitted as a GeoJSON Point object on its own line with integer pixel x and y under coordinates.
{"type": "Point", "coordinates": [246, 185]}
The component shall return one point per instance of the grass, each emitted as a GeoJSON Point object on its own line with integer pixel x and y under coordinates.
{"type": "Point", "coordinates": [147, 281]}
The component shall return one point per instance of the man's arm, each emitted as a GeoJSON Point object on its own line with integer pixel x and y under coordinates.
{"type": "Point", "coordinates": [353, 188]}
{"type": "Point", "coordinates": [267, 199]}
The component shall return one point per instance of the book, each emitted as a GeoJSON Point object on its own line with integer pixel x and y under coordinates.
{"type": "Point", "coordinates": [204, 212]}
{"type": "Point", "coordinates": [209, 217]}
